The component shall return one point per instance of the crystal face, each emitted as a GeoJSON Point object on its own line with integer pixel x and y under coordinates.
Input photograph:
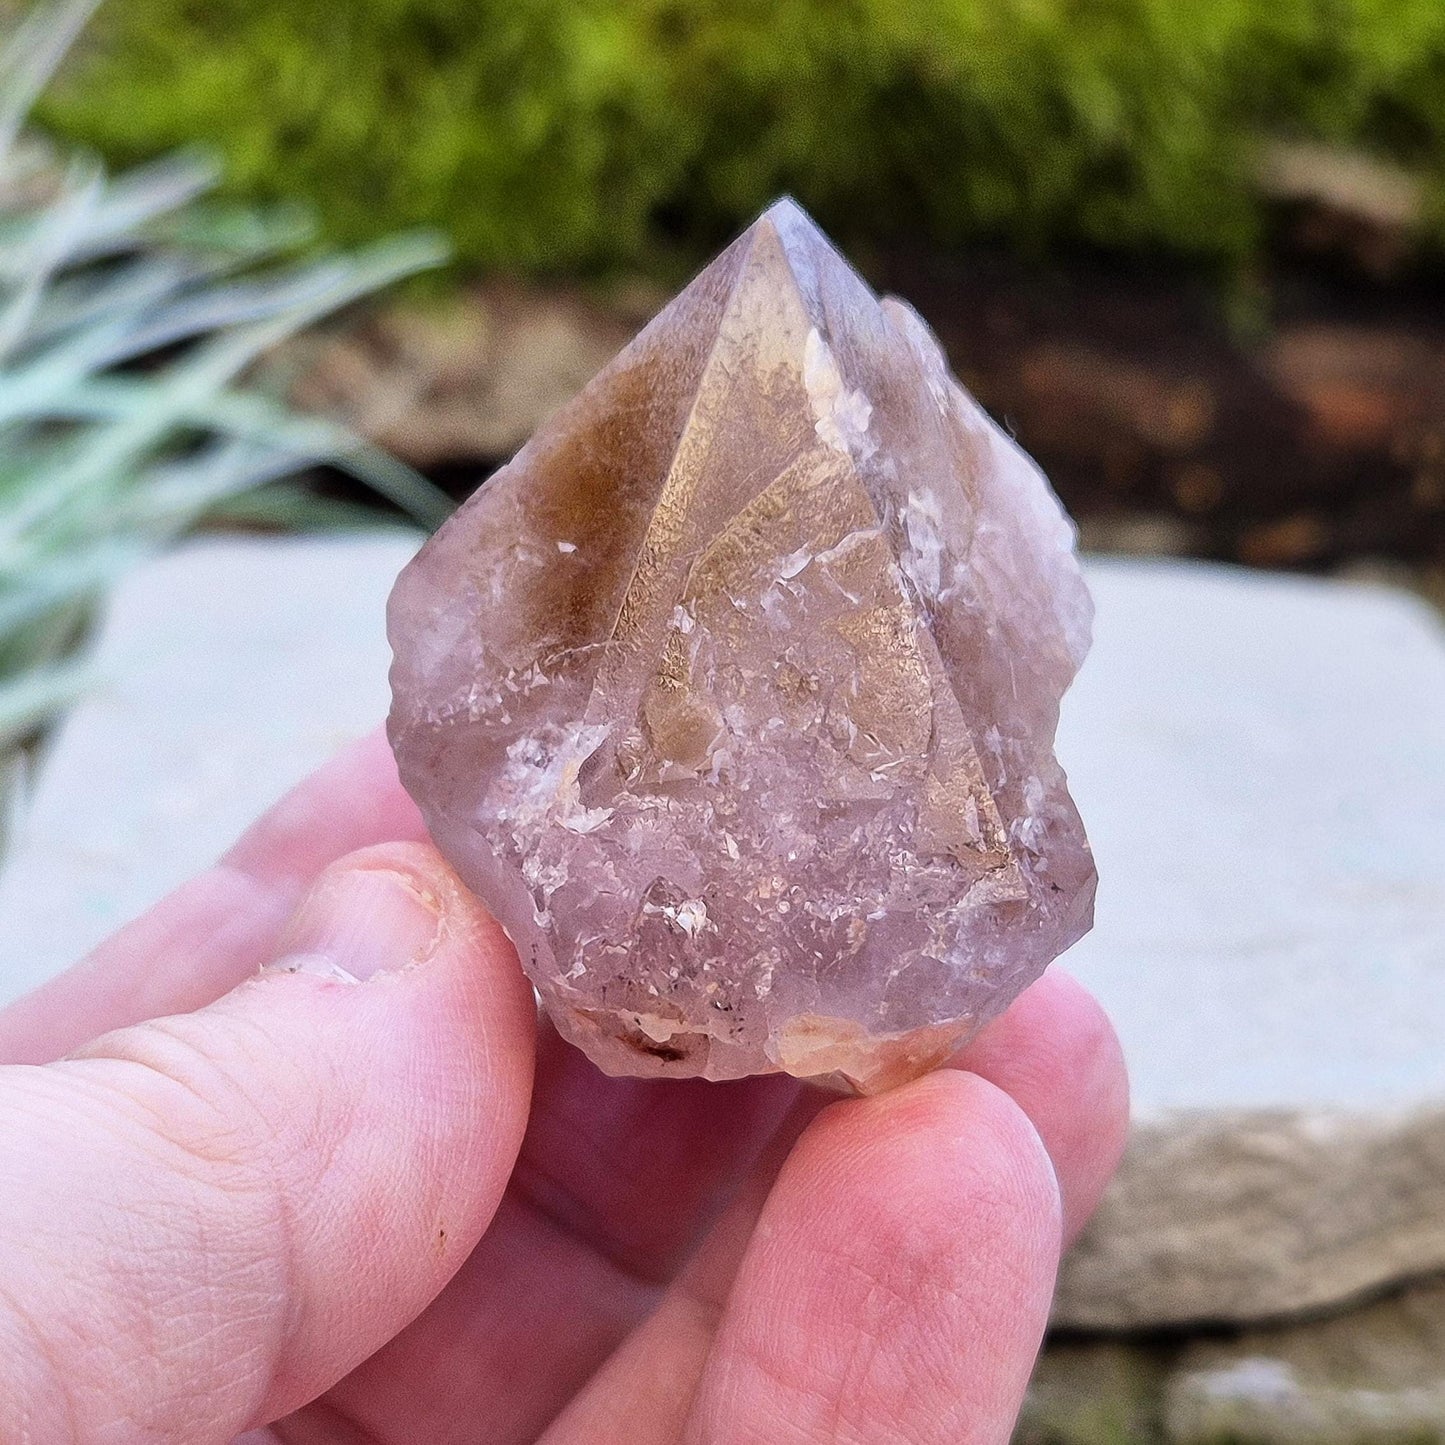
{"type": "Point", "coordinates": [733, 696]}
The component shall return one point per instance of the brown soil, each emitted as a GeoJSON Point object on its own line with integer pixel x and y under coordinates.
{"type": "Point", "coordinates": [1309, 434]}
{"type": "Point", "coordinates": [1314, 437]}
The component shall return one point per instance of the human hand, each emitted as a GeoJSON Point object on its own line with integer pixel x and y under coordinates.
{"type": "Point", "coordinates": [317, 1209]}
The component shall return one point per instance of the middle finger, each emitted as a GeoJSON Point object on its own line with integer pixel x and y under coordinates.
{"type": "Point", "coordinates": [617, 1181]}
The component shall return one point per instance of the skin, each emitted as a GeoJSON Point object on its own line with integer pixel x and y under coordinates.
{"type": "Point", "coordinates": [361, 1195]}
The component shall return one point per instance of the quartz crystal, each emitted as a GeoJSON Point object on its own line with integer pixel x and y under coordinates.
{"type": "Point", "coordinates": [733, 696]}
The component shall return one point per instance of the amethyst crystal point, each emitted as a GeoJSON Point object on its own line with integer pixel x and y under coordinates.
{"type": "Point", "coordinates": [734, 695]}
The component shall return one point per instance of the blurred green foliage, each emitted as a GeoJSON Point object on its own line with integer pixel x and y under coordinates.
{"type": "Point", "coordinates": [134, 321]}
{"type": "Point", "coordinates": [566, 134]}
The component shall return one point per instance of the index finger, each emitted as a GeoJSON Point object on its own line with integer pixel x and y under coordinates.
{"type": "Point", "coordinates": [209, 934]}
{"type": "Point", "coordinates": [1055, 1053]}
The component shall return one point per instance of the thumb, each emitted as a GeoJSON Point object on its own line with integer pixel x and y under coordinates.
{"type": "Point", "coordinates": [205, 1221]}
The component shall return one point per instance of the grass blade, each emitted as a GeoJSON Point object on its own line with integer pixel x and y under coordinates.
{"type": "Point", "coordinates": [29, 701]}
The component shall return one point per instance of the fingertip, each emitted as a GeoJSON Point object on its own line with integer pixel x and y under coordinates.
{"type": "Point", "coordinates": [386, 883]}
{"type": "Point", "coordinates": [899, 1277]}
{"type": "Point", "coordinates": [947, 1136]}
{"type": "Point", "coordinates": [1055, 1052]}
{"type": "Point", "coordinates": [439, 972]}
{"type": "Point", "coordinates": [396, 1063]}
{"type": "Point", "coordinates": [373, 913]}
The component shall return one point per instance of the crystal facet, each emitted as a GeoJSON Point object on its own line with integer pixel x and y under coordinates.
{"type": "Point", "coordinates": [733, 696]}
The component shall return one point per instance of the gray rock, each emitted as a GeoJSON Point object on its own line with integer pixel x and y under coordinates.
{"type": "Point", "coordinates": [230, 669]}
{"type": "Point", "coordinates": [1261, 764]}
{"type": "Point", "coordinates": [1372, 1377]}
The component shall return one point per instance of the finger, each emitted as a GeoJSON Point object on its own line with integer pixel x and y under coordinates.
{"type": "Point", "coordinates": [644, 1391]}
{"type": "Point", "coordinates": [207, 1220]}
{"type": "Point", "coordinates": [203, 939]}
{"type": "Point", "coordinates": [637, 1169]}
{"type": "Point", "coordinates": [1056, 1054]}
{"type": "Point", "coordinates": [618, 1179]}
{"type": "Point", "coordinates": [897, 1284]}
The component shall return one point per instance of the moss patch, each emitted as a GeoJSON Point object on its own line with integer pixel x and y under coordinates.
{"type": "Point", "coordinates": [550, 135]}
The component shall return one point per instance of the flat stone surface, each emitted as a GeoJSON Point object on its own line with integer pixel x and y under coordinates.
{"type": "Point", "coordinates": [1261, 765]}
{"type": "Point", "coordinates": [231, 669]}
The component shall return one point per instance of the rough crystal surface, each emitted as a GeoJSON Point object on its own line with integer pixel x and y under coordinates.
{"type": "Point", "coordinates": [734, 694]}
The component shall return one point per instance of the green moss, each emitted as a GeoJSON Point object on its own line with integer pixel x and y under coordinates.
{"type": "Point", "coordinates": [1098, 1392]}
{"type": "Point", "coordinates": [563, 134]}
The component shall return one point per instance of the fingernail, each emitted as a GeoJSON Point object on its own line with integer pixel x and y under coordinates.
{"type": "Point", "coordinates": [358, 923]}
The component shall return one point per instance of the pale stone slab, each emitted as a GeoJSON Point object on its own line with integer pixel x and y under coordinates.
{"type": "Point", "coordinates": [1261, 764]}
{"type": "Point", "coordinates": [230, 670]}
